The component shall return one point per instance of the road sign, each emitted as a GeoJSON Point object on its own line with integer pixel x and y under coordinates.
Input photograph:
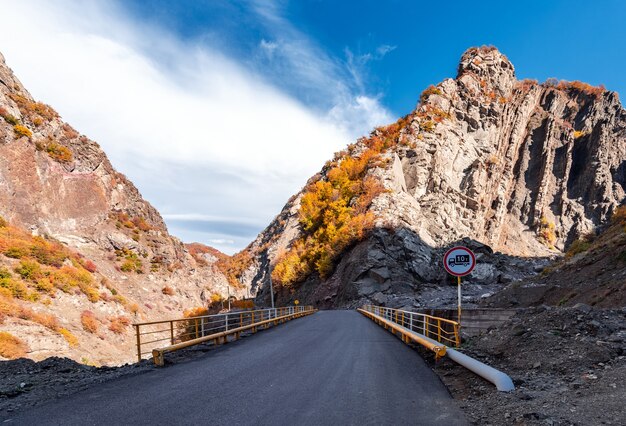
{"type": "Point", "coordinates": [459, 261]}
{"type": "Point", "coordinates": [296, 302]}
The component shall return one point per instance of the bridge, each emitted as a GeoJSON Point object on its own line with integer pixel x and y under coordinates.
{"type": "Point", "coordinates": [333, 367]}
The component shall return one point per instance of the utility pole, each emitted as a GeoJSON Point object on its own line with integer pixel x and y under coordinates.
{"type": "Point", "coordinates": [228, 297]}
{"type": "Point", "coordinates": [272, 291]}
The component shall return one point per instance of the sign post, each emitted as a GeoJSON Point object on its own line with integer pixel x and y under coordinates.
{"type": "Point", "coordinates": [459, 261]}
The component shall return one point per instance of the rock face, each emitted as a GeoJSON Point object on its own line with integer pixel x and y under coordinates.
{"type": "Point", "coordinates": [59, 184]}
{"type": "Point", "coordinates": [522, 168]}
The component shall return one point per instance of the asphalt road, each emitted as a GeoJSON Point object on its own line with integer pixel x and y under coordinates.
{"type": "Point", "coordinates": [330, 368]}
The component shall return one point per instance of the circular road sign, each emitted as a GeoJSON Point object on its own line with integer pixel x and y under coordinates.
{"type": "Point", "coordinates": [459, 261]}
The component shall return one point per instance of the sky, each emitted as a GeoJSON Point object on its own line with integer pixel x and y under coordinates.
{"type": "Point", "coordinates": [220, 110]}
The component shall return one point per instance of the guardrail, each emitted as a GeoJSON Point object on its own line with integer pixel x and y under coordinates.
{"type": "Point", "coordinates": [160, 337]}
{"type": "Point", "coordinates": [431, 332]}
{"type": "Point", "coordinates": [440, 329]}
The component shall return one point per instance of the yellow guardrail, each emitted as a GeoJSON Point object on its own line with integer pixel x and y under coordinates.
{"type": "Point", "coordinates": [160, 337]}
{"type": "Point", "coordinates": [411, 325]}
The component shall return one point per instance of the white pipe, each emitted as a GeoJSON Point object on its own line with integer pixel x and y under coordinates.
{"type": "Point", "coordinates": [502, 381]}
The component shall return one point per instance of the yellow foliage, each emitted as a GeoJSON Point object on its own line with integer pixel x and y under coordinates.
{"type": "Point", "coordinates": [59, 153]}
{"type": "Point", "coordinates": [546, 232]}
{"type": "Point", "coordinates": [21, 130]}
{"type": "Point", "coordinates": [69, 337]}
{"type": "Point", "coordinates": [89, 321]}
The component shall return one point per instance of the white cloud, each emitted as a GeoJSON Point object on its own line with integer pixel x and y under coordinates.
{"type": "Point", "coordinates": [198, 132]}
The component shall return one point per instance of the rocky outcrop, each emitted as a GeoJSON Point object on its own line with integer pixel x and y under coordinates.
{"type": "Point", "coordinates": [59, 184]}
{"type": "Point", "coordinates": [521, 167]}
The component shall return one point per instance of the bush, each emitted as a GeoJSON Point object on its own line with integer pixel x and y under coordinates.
{"type": "Point", "coordinates": [546, 232]}
{"type": "Point", "coordinates": [10, 119]}
{"type": "Point", "coordinates": [11, 347]}
{"type": "Point", "coordinates": [3, 222]}
{"type": "Point", "coordinates": [60, 153]}
{"type": "Point", "coordinates": [430, 90]}
{"type": "Point", "coordinates": [118, 325]}
{"type": "Point", "coordinates": [168, 291]}
{"type": "Point", "coordinates": [578, 246]}
{"type": "Point", "coordinates": [89, 321]}
{"type": "Point", "coordinates": [16, 252]}
{"type": "Point", "coordinates": [69, 337]}
{"type": "Point", "coordinates": [21, 131]}
{"type": "Point", "coordinates": [29, 270]}
{"type": "Point", "coordinates": [90, 266]}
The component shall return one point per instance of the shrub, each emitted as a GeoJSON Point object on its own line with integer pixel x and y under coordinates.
{"type": "Point", "coordinates": [119, 324]}
{"type": "Point", "coordinates": [21, 131]}
{"type": "Point", "coordinates": [187, 329]}
{"type": "Point", "coordinates": [10, 119]}
{"type": "Point", "coordinates": [90, 266]}
{"type": "Point", "coordinates": [17, 288]}
{"type": "Point", "coordinates": [133, 308]}
{"type": "Point", "coordinates": [430, 90]}
{"type": "Point", "coordinates": [168, 291]}
{"type": "Point", "coordinates": [60, 153]}
{"type": "Point", "coordinates": [89, 321]}
{"type": "Point", "coordinates": [428, 126]}
{"type": "Point", "coordinates": [5, 273]}
{"type": "Point", "coordinates": [69, 337]}
{"type": "Point", "coordinates": [29, 270]}
{"type": "Point", "coordinates": [3, 222]}
{"type": "Point", "coordinates": [16, 252]}
{"type": "Point", "coordinates": [578, 246]}
{"type": "Point", "coordinates": [546, 232]}
{"type": "Point", "coordinates": [11, 347]}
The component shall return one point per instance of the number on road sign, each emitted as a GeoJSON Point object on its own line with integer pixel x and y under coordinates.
{"type": "Point", "coordinates": [459, 261]}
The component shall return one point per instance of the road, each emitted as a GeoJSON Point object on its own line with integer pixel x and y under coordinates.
{"type": "Point", "coordinates": [330, 368]}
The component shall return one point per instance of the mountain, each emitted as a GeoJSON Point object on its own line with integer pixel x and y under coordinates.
{"type": "Point", "coordinates": [516, 169]}
{"type": "Point", "coordinates": [82, 254]}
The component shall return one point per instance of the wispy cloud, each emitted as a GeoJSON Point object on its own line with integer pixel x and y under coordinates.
{"type": "Point", "coordinates": [198, 131]}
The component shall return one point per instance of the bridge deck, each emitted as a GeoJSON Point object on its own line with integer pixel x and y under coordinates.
{"type": "Point", "coordinates": [334, 367]}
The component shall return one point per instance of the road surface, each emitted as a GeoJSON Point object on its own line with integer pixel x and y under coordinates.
{"type": "Point", "coordinates": [330, 368]}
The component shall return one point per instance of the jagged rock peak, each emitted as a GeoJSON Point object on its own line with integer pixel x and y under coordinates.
{"type": "Point", "coordinates": [490, 67]}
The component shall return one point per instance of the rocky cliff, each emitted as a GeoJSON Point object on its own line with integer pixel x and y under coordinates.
{"type": "Point", "coordinates": [518, 169]}
{"type": "Point", "coordinates": [102, 254]}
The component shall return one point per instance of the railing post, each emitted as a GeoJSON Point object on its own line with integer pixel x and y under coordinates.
{"type": "Point", "coordinates": [172, 332]}
{"type": "Point", "coordinates": [425, 326]}
{"type": "Point", "coordinates": [438, 330]}
{"type": "Point", "coordinates": [138, 343]}
{"type": "Point", "coordinates": [196, 322]}
{"type": "Point", "coordinates": [226, 322]}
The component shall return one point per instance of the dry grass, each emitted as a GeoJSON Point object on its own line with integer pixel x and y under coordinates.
{"type": "Point", "coordinates": [69, 337]}
{"type": "Point", "coordinates": [89, 321]}
{"type": "Point", "coordinates": [119, 325]}
{"type": "Point", "coordinates": [11, 347]}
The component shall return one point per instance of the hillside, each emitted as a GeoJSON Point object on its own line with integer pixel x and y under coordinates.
{"type": "Point", "coordinates": [520, 168]}
{"type": "Point", "coordinates": [82, 254]}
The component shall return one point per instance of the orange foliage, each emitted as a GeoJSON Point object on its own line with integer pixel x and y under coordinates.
{"type": "Point", "coordinates": [21, 131]}
{"type": "Point", "coordinates": [89, 321]}
{"type": "Point", "coordinates": [234, 266]}
{"type": "Point", "coordinates": [11, 347]}
{"type": "Point", "coordinates": [118, 325]}
{"type": "Point", "coordinates": [168, 291]}
{"type": "Point", "coordinates": [580, 86]}
{"type": "Point", "coordinates": [42, 266]}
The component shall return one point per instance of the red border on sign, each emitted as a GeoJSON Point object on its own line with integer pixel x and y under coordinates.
{"type": "Point", "coordinates": [445, 263]}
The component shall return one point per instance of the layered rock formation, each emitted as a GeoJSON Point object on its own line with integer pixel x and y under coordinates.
{"type": "Point", "coordinates": [521, 167]}
{"type": "Point", "coordinates": [58, 184]}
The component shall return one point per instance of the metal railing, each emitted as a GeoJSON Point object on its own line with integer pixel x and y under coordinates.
{"type": "Point", "coordinates": [158, 334]}
{"type": "Point", "coordinates": [440, 329]}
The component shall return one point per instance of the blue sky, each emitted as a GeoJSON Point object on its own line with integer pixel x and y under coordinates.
{"type": "Point", "coordinates": [220, 110]}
